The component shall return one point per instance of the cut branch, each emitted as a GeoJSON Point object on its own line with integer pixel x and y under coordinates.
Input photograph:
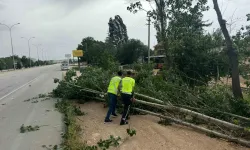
{"type": "Point", "coordinates": [195, 114]}
{"type": "Point", "coordinates": [189, 107]}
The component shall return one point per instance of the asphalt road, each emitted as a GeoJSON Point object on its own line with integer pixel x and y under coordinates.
{"type": "Point", "coordinates": [17, 86]}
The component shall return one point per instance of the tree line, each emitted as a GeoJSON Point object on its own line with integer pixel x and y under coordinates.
{"type": "Point", "coordinates": [21, 62]}
{"type": "Point", "coordinates": [117, 48]}
{"type": "Point", "coordinates": [191, 51]}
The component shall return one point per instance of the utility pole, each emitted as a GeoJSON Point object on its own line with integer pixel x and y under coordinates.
{"type": "Point", "coordinates": [13, 57]}
{"type": "Point", "coordinates": [29, 47]}
{"type": "Point", "coordinates": [149, 21]}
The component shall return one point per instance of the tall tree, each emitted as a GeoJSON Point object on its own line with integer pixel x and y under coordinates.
{"type": "Point", "coordinates": [231, 53]}
{"type": "Point", "coordinates": [117, 31]}
{"type": "Point", "coordinates": [96, 52]}
{"type": "Point", "coordinates": [132, 51]}
{"type": "Point", "coordinates": [85, 43]}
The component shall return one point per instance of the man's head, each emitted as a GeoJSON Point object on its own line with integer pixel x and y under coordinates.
{"type": "Point", "coordinates": [119, 73]}
{"type": "Point", "coordinates": [129, 73]}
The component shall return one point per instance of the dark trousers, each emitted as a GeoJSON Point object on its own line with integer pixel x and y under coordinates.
{"type": "Point", "coordinates": [126, 98]}
{"type": "Point", "coordinates": [112, 105]}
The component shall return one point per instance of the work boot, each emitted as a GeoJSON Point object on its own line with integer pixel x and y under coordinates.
{"type": "Point", "coordinates": [123, 122]}
{"type": "Point", "coordinates": [107, 120]}
{"type": "Point", "coordinates": [115, 115]}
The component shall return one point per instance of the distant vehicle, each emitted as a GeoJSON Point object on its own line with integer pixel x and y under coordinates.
{"type": "Point", "coordinates": [65, 66]}
{"type": "Point", "coordinates": [158, 61]}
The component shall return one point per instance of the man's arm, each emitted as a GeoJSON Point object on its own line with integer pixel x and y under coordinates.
{"type": "Point", "coordinates": [133, 91]}
{"type": "Point", "coordinates": [119, 87]}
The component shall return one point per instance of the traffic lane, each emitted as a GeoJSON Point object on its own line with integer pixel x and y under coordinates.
{"type": "Point", "coordinates": [12, 80]}
{"type": "Point", "coordinates": [14, 112]}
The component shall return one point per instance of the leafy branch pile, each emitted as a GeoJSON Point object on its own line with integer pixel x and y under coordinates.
{"type": "Point", "coordinates": [112, 141]}
{"type": "Point", "coordinates": [71, 137]}
{"type": "Point", "coordinates": [169, 89]}
{"type": "Point", "coordinates": [24, 129]}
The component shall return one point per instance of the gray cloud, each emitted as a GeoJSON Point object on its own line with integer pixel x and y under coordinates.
{"type": "Point", "coordinates": [2, 5]}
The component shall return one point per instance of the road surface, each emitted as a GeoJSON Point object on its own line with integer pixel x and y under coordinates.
{"type": "Point", "coordinates": [20, 85]}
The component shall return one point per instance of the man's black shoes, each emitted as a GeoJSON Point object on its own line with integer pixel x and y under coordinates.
{"type": "Point", "coordinates": [107, 120]}
{"type": "Point", "coordinates": [115, 115]}
{"type": "Point", "coordinates": [123, 122]}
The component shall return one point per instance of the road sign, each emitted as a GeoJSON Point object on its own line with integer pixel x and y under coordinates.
{"type": "Point", "coordinates": [68, 55]}
{"type": "Point", "coordinates": [77, 53]}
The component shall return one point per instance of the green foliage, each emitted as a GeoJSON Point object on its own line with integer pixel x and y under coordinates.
{"type": "Point", "coordinates": [168, 86]}
{"type": "Point", "coordinates": [24, 129]}
{"type": "Point", "coordinates": [132, 51]}
{"type": "Point", "coordinates": [197, 56]}
{"type": "Point", "coordinates": [7, 62]}
{"type": "Point", "coordinates": [165, 122]}
{"type": "Point", "coordinates": [117, 31]}
{"type": "Point", "coordinates": [242, 44]}
{"type": "Point", "coordinates": [42, 95]}
{"type": "Point", "coordinates": [71, 137]}
{"type": "Point", "coordinates": [69, 74]}
{"type": "Point", "coordinates": [131, 132]}
{"type": "Point", "coordinates": [97, 53]}
{"type": "Point", "coordinates": [91, 148]}
{"type": "Point", "coordinates": [65, 106]}
{"type": "Point", "coordinates": [106, 144]}
{"type": "Point", "coordinates": [78, 111]}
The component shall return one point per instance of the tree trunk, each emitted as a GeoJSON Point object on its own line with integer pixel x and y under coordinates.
{"type": "Point", "coordinates": [188, 107]}
{"type": "Point", "coordinates": [231, 53]}
{"type": "Point", "coordinates": [161, 7]}
{"type": "Point", "coordinates": [194, 114]}
{"type": "Point", "coordinates": [217, 134]}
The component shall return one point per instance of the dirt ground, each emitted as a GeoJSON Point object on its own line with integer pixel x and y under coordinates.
{"type": "Point", "coordinates": [150, 135]}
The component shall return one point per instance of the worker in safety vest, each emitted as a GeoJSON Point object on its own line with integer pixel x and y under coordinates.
{"type": "Point", "coordinates": [127, 94]}
{"type": "Point", "coordinates": [113, 91]}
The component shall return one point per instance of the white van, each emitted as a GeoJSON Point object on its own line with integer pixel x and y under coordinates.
{"type": "Point", "coordinates": [64, 66]}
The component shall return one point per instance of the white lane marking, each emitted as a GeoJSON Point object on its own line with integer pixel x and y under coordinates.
{"type": "Point", "coordinates": [18, 88]}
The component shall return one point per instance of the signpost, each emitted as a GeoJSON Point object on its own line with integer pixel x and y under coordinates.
{"type": "Point", "coordinates": [77, 53]}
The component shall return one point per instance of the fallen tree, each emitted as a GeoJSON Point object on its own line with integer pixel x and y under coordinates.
{"type": "Point", "coordinates": [86, 87]}
{"type": "Point", "coordinates": [195, 114]}
{"type": "Point", "coordinates": [217, 134]}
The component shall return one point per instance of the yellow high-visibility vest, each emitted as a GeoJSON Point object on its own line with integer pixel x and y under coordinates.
{"type": "Point", "coordinates": [127, 84]}
{"type": "Point", "coordinates": [113, 85]}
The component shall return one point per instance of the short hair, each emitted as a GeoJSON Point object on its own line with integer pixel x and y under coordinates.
{"type": "Point", "coordinates": [129, 73]}
{"type": "Point", "coordinates": [119, 73]}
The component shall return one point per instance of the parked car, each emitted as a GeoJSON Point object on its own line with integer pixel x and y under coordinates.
{"type": "Point", "coordinates": [64, 66]}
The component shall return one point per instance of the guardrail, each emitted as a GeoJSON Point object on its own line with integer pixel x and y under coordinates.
{"type": "Point", "coordinates": [6, 70]}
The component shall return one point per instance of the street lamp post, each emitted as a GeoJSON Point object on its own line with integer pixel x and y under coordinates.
{"type": "Point", "coordinates": [10, 27]}
{"type": "Point", "coordinates": [28, 46]}
{"type": "Point", "coordinates": [42, 54]}
{"type": "Point", "coordinates": [149, 20]}
{"type": "Point", "coordinates": [37, 52]}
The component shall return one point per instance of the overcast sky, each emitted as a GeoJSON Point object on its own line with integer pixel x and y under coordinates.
{"type": "Point", "coordinates": [59, 25]}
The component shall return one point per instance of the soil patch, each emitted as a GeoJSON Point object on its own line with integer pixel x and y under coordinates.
{"type": "Point", "coordinates": [150, 135]}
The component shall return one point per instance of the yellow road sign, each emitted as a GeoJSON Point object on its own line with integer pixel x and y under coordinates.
{"type": "Point", "coordinates": [77, 53]}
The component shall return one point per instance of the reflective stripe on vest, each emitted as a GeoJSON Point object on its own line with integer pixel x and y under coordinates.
{"type": "Point", "coordinates": [127, 85]}
{"type": "Point", "coordinates": [113, 85]}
